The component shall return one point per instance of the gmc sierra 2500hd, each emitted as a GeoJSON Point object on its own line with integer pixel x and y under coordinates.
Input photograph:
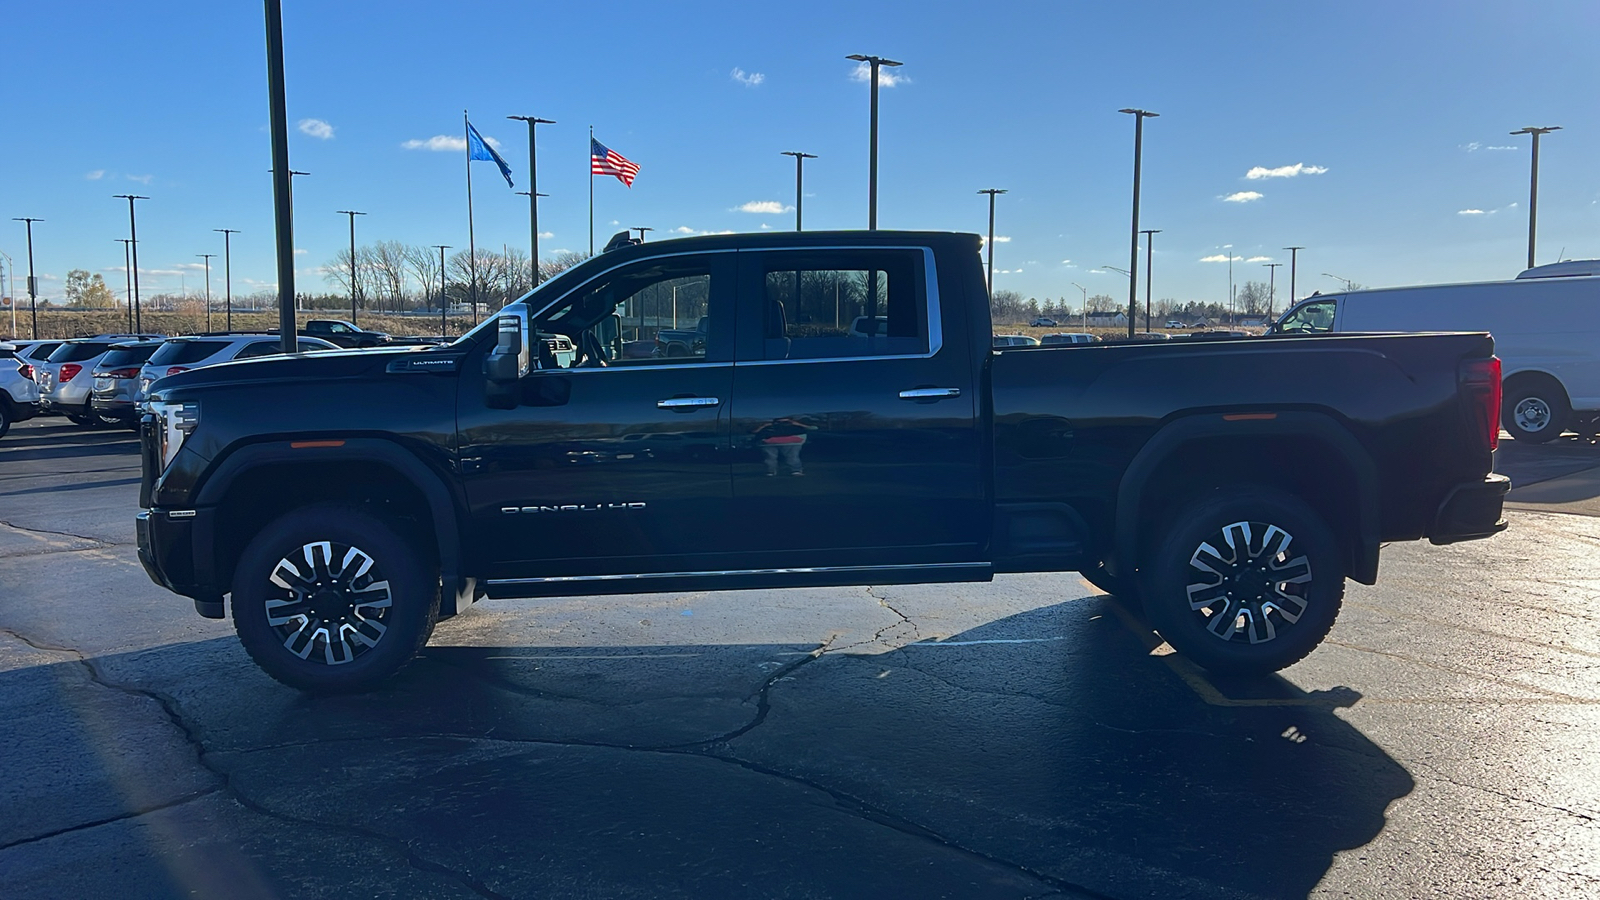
{"type": "Point", "coordinates": [346, 501]}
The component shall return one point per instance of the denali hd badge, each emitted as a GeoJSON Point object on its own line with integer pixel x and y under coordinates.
{"type": "Point", "coordinates": [569, 507]}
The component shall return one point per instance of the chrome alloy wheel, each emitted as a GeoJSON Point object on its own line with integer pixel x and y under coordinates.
{"type": "Point", "coordinates": [337, 610]}
{"type": "Point", "coordinates": [1245, 581]}
{"type": "Point", "coordinates": [1532, 414]}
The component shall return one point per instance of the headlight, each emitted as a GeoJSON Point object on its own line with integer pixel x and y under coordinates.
{"type": "Point", "coordinates": [174, 423]}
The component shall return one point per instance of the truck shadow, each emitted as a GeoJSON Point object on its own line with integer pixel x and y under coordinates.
{"type": "Point", "coordinates": [1044, 751]}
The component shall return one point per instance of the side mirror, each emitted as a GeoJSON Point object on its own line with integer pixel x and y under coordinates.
{"type": "Point", "coordinates": [509, 361]}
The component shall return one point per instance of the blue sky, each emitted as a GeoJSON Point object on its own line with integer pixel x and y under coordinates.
{"type": "Point", "coordinates": [1394, 112]}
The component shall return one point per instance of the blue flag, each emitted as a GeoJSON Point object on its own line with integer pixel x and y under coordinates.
{"type": "Point", "coordinates": [478, 148]}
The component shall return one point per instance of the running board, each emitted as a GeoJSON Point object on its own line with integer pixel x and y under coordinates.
{"type": "Point", "coordinates": [738, 580]}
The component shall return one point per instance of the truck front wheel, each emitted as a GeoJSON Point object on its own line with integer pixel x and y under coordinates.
{"type": "Point", "coordinates": [330, 599]}
{"type": "Point", "coordinates": [1245, 581]}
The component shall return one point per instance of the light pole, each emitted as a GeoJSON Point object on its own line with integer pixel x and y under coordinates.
{"type": "Point", "coordinates": [641, 231]}
{"type": "Point", "coordinates": [1533, 185]}
{"type": "Point", "coordinates": [533, 198]}
{"type": "Point", "coordinates": [872, 165]}
{"type": "Point", "coordinates": [1348, 284]}
{"type": "Point", "coordinates": [989, 244]}
{"type": "Point", "coordinates": [227, 264]}
{"type": "Point", "coordinates": [33, 285]}
{"type": "Point", "coordinates": [208, 257]}
{"type": "Point", "coordinates": [1294, 259]}
{"type": "Point", "coordinates": [1229, 248]}
{"type": "Point", "coordinates": [533, 188]}
{"type": "Point", "coordinates": [1149, 268]}
{"type": "Point", "coordinates": [1128, 275]}
{"type": "Point", "coordinates": [444, 302]}
{"type": "Point", "coordinates": [352, 214]}
{"type": "Point", "coordinates": [799, 182]}
{"type": "Point", "coordinates": [133, 235]}
{"type": "Point", "coordinates": [1085, 304]}
{"type": "Point", "coordinates": [282, 188]}
{"type": "Point", "coordinates": [1139, 115]}
{"type": "Point", "coordinates": [127, 278]}
{"type": "Point", "coordinates": [1272, 286]}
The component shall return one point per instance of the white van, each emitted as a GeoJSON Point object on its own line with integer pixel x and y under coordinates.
{"type": "Point", "coordinates": [1546, 327]}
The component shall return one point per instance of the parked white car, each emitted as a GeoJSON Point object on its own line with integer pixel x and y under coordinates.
{"type": "Point", "coordinates": [1545, 332]}
{"type": "Point", "coordinates": [19, 396]}
{"type": "Point", "coordinates": [184, 353]}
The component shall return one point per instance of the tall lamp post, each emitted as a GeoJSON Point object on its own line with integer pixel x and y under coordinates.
{"type": "Point", "coordinates": [533, 189]}
{"type": "Point", "coordinates": [989, 244]}
{"type": "Point", "coordinates": [1085, 304]}
{"type": "Point", "coordinates": [1533, 185]}
{"type": "Point", "coordinates": [1294, 259]}
{"type": "Point", "coordinates": [208, 257]}
{"type": "Point", "coordinates": [872, 166]}
{"type": "Point", "coordinates": [641, 230]}
{"type": "Point", "coordinates": [133, 235]}
{"type": "Point", "coordinates": [227, 268]}
{"type": "Point", "coordinates": [127, 278]}
{"type": "Point", "coordinates": [352, 214]}
{"type": "Point", "coordinates": [33, 285]}
{"type": "Point", "coordinates": [1149, 269]}
{"type": "Point", "coordinates": [799, 182]}
{"type": "Point", "coordinates": [1139, 115]}
{"type": "Point", "coordinates": [444, 302]}
{"type": "Point", "coordinates": [1272, 286]}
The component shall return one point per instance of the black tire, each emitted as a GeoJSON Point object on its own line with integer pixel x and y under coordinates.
{"type": "Point", "coordinates": [5, 419]}
{"type": "Point", "coordinates": [381, 614]}
{"type": "Point", "coordinates": [1282, 594]}
{"type": "Point", "coordinates": [1535, 412]}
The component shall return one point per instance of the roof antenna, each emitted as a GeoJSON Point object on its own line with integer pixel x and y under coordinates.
{"type": "Point", "coordinates": [1562, 256]}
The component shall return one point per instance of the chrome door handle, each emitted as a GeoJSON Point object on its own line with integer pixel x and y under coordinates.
{"type": "Point", "coordinates": [686, 403]}
{"type": "Point", "coordinates": [930, 393]}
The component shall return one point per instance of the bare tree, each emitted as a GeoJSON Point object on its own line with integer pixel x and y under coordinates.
{"type": "Point", "coordinates": [386, 268]}
{"type": "Point", "coordinates": [423, 263]}
{"type": "Point", "coordinates": [554, 265]}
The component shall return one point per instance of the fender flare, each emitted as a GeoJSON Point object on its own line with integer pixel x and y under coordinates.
{"type": "Point", "coordinates": [446, 523]}
{"type": "Point", "coordinates": [1318, 426]}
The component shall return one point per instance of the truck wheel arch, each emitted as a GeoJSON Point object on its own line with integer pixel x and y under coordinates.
{"type": "Point", "coordinates": [384, 455]}
{"type": "Point", "coordinates": [1192, 431]}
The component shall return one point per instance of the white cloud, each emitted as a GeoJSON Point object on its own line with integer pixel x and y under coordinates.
{"type": "Point", "coordinates": [765, 227]}
{"type": "Point", "coordinates": [1284, 171]}
{"type": "Point", "coordinates": [684, 229]}
{"type": "Point", "coordinates": [298, 251]}
{"type": "Point", "coordinates": [444, 142]}
{"type": "Point", "coordinates": [615, 222]}
{"type": "Point", "coordinates": [1512, 206]}
{"type": "Point", "coordinates": [1502, 148]}
{"type": "Point", "coordinates": [1260, 259]}
{"type": "Point", "coordinates": [142, 179]}
{"type": "Point", "coordinates": [1002, 239]}
{"type": "Point", "coordinates": [96, 175]}
{"type": "Point", "coordinates": [546, 234]}
{"type": "Point", "coordinates": [887, 76]}
{"type": "Point", "coordinates": [316, 128]}
{"type": "Point", "coordinates": [765, 207]}
{"type": "Point", "coordinates": [1097, 271]}
{"type": "Point", "coordinates": [748, 79]}
{"type": "Point", "coordinates": [1475, 146]}
{"type": "Point", "coordinates": [1470, 212]}
{"type": "Point", "coordinates": [1220, 257]}
{"type": "Point", "coordinates": [1242, 197]}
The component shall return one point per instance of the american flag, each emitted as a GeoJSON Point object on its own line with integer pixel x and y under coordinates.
{"type": "Point", "coordinates": [605, 161]}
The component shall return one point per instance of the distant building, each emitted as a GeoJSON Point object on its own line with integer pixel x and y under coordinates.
{"type": "Point", "coordinates": [1108, 320]}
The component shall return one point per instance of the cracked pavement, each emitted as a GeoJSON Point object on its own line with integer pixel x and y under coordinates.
{"type": "Point", "coordinates": [1019, 739]}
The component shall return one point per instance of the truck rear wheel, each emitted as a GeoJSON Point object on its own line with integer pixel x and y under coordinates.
{"type": "Point", "coordinates": [1245, 581]}
{"type": "Point", "coordinates": [330, 599]}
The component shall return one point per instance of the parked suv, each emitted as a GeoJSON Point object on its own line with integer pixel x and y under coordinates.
{"type": "Point", "coordinates": [19, 396]}
{"type": "Point", "coordinates": [1067, 337]}
{"type": "Point", "coordinates": [343, 333]}
{"type": "Point", "coordinates": [66, 379]}
{"type": "Point", "coordinates": [198, 351]}
{"type": "Point", "coordinates": [116, 381]}
{"type": "Point", "coordinates": [1015, 340]}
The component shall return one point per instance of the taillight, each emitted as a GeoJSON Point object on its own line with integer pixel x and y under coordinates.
{"type": "Point", "coordinates": [69, 371]}
{"type": "Point", "coordinates": [176, 369]}
{"type": "Point", "coordinates": [122, 373]}
{"type": "Point", "coordinates": [1479, 380]}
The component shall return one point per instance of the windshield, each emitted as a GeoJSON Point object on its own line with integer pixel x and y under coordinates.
{"type": "Point", "coordinates": [1309, 318]}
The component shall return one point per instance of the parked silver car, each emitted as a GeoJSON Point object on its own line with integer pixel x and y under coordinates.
{"type": "Point", "coordinates": [1067, 337]}
{"type": "Point", "coordinates": [19, 396]}
{"type": "Point", "coordinates": [116, 381]}
{"type": "Point", "coordinates": [1015, 340]}
{"type": "Point", "coordinates": [66, 379]}
{"type": "Point", "coordinates": [182, 354]}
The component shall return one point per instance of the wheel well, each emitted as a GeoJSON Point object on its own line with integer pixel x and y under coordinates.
{"type": "Point", "coordinates": [263, 493]}
{"type": "Point", "coordinates": [1522, 380]}
{"type": "Point", "coordinates": [1301, 465]}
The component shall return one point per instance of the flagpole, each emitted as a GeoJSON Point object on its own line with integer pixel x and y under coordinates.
{"type": "Point", "coordinates": [472, 251]}
{"type": "Point", "coordinates": [591, 190]}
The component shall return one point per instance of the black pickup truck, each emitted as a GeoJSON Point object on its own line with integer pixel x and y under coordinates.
{"type": "Point", "coordinates": [338, 331]}
{"type": "Point", "coordinates": [347, 501]}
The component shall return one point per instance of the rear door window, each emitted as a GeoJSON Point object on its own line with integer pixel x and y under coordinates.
{"type": "Point", "coordinates": [845, 303]}
{"type": "Point", "coordinates": [177, 353]}
{"type": "Point", "coordinates": [73, 352]}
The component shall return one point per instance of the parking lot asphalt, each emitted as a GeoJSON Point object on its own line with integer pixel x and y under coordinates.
{"type": "Point", "coordinates": [1026, 738]}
